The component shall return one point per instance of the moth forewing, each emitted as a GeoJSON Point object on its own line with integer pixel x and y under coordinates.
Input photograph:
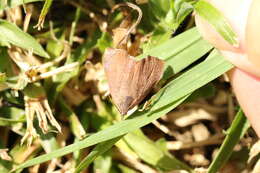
{"type": "Point", "coordinates": [130, 80]}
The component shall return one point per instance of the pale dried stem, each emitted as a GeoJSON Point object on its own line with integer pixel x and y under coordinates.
{"type": "Point", "coordinates": [64, 54]}
{"type": "Point", "coordinates": [30, 130]}
{"type": "Point", "coordinates": [207, 107]}
{"type": "Point", "coordinates": [164, 128]}
{"type": "Point", "coordinates": [65, 68]}
{"type": "Point", "coordinates": [133, 162]}
{"type": "Point", "coordinates": [16, 57]}
{"type": "Point", "coordinates": [43, 124]}
{"type": "Point", "coordinates": [4, 155]}
{"type": "Point", "coordinates": [27, 18]}
{"type": "Point", "coordinates": [34, 169]}
{"type": "Point", "coordinates": [178, 145]}
{"type": "Point", "coordinates": [52, 165]}
{"type": "Point", "coordinates": [26, 154]}
{"type": "Point", "coordinates": [50, 116]}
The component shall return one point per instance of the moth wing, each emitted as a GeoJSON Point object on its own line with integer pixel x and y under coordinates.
{"type": "Point", "coordinates": [147, 73]}
{"type": "Point", "coordinates": [118, 72]}
{"type": "Point", "coordinates": [130, 80]}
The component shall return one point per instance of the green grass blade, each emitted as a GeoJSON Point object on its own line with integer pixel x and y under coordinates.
{"type": "Point", "coordinates": [170, 97]}
{"type": "Point", "coordinates": [10, 122]}
{"type": "Point", "coordinates": [173, 46]}
{"type": "Point", "coordinates": [14, 35]}
{"type": "Point", "coordinates": [75, 125]}
{"type": "Point", "coordinates": [193, 52]}
{"type": "Point", "coordinates": [156, 155]}
{"type": "Point", "coordinates": [217, 20]}
{"type": "Point", "coordinates": [237, 130]}
{"type": "Point", "coordinates": [97, 151]}
{"type": "Point", "coordinates": [14, 3]}
{"type": "Point", "coordinates": [44, 11]}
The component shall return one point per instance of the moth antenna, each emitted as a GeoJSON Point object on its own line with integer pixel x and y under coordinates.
{"type": "Point", "coordinates": [140, 14]}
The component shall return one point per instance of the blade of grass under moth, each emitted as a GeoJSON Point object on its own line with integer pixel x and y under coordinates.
{"type": "Point", "coordinates": [217, 20]}
{"type": "Point", "coordinates": [14, 35]}
{"type": "Point", "coordinates": [173, 46]}
{"type": "Point", "coordinates": [170, 96]}
{"type": "Point", "coordinates": [236, 131]}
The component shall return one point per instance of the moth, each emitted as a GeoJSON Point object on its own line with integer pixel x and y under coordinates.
{"type": "Point", "coordinates": [129, 79]}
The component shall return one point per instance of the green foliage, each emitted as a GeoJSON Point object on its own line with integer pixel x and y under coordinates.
{"type": "Point", "coordinates": [191, 64]}
{"type": "Point", "coordinates": [236, 131]}
{"type": "Point", "coordinates": [12, 34]}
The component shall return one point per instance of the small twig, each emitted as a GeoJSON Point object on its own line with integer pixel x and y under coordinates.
{"type": "Point", "coordinates": [52, 165]}
{"type": "Point", "coordinates": [133, 162]}
{"type": "Point", "coordinates": [27, 18]}
{"type": "Point", "coordinates": [64, 54]}
{"type": "Point", "coordinates": [178, 145]}
{"type": "Point", "coordinates": [65, 68]}
{"type": "Point", "coordinates": [207, 107]}
{"type": "Point", "coordinates": [163, 128]}
{"type": "Point", "coordinates": [4, 155]}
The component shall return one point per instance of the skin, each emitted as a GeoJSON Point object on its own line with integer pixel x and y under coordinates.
{"type": "Point", "coordinates": [244, 18]}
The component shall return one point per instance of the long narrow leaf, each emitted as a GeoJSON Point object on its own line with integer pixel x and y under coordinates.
{"type": "Point", "coordinates": [97, 151]}
{"type": "Point", "coordinates": [237, 130]}
{"type": "Point", "coordinates": [14, 35]}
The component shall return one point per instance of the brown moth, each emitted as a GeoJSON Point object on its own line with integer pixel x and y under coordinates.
{"type": "Point", "coordinates": [129, 80]}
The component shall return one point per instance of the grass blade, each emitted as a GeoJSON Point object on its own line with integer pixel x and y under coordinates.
{"type": "Point", "coordinates": [237, 130]}
{"type": "Point", "coordinates": [97, 151]}
{"type": "Point", "coordinates": [14, 35]}
{"type": "Point", "coordinates": [44, 11]}
{"type": "Point", "coordinates": [156, 155]}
